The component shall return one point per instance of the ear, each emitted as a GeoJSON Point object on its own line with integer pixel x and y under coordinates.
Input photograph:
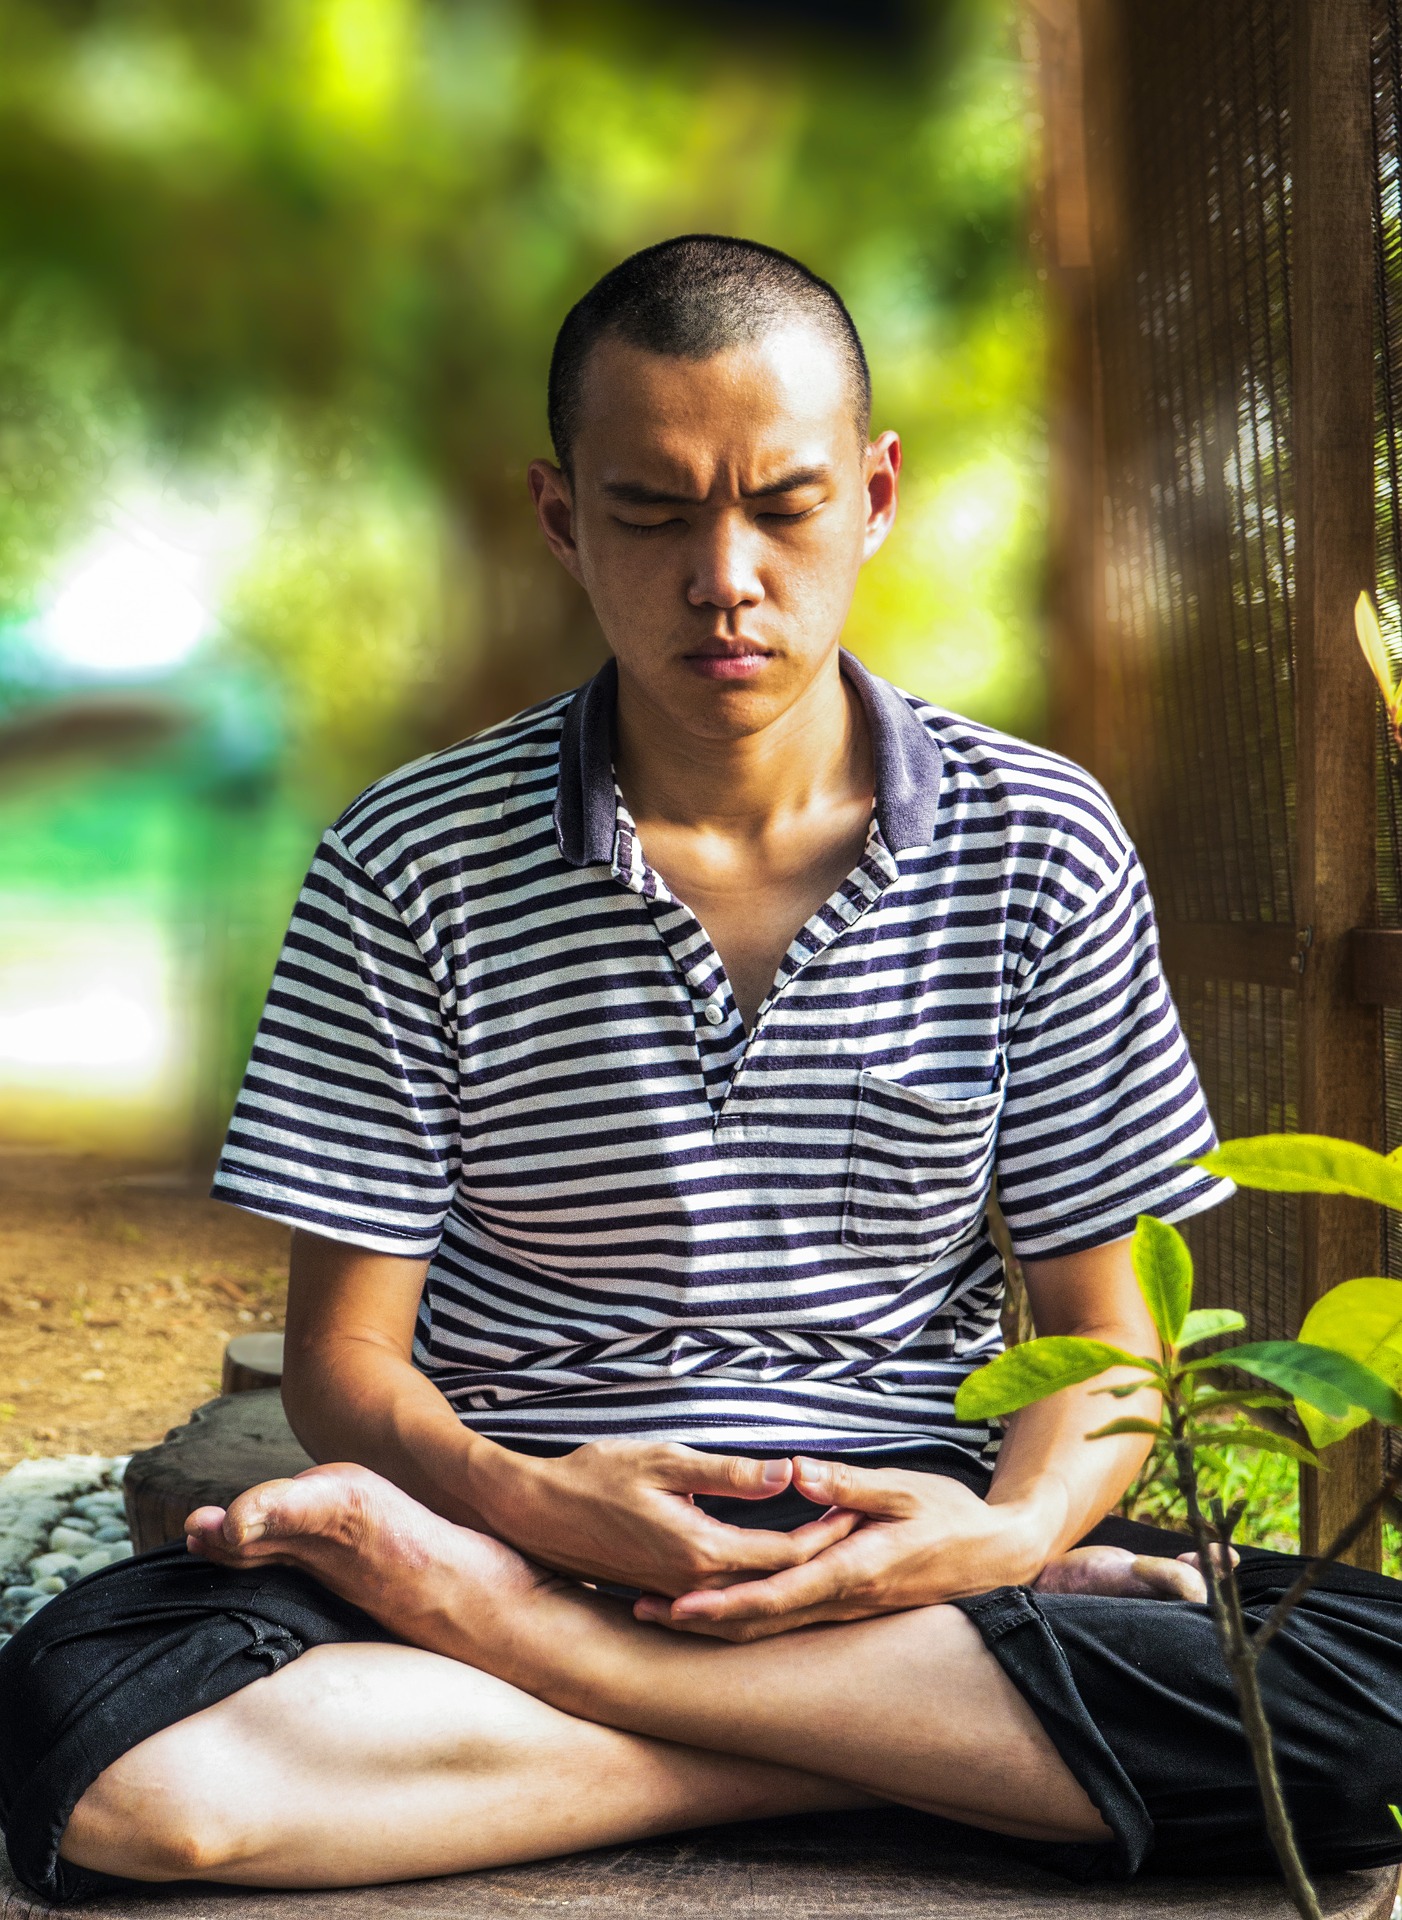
{"type": "Point", "coordinates": [554, 509]}
{"type": "Point", "coordinates": [881, 470]}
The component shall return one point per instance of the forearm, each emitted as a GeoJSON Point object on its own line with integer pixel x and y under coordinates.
{"type": "Point", "coordinates": [352, 1399]}
{"type": "Point", "coordinates": [1058, 1483]}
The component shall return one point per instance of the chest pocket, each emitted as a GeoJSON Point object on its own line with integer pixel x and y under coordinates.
{"type": "Point", "coordinates": [920, 1168]}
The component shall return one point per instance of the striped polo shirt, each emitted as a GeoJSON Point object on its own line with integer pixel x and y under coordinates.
{"type": "Point", "coordinates": [496, 1040]}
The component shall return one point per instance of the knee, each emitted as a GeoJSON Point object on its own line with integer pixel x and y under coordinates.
{"type": "Point", "coordinates": [140, 1825]}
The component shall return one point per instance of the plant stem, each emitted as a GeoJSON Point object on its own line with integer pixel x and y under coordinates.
{"type": "Point", "coordinates": [1335, 1550]}
{"type": "Point", "coordinates": [1240, 1653]}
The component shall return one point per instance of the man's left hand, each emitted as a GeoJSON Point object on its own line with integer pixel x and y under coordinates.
{"type": "Point", "coordinates": [923, 1538]}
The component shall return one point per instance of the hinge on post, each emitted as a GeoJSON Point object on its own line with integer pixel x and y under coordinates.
{"type": "Point", "coordinates": [1304, 940]}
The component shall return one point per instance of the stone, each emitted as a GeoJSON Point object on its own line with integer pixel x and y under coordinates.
{"type": "Point", "coordinates": [36, 1494]}
{"type": "Point", "coordinates": [98, 1506]}
{"type": "Point", "coordinates": [114, 1530]}
{"type": "Point", "coordinates": [46, 1563]}
{"type": "Point", "coordinates": [93, 1562]}
{"type": "Point", "coordinates": [64, 1539]}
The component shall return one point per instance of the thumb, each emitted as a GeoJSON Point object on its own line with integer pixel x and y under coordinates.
{"type": "Point", "coordinates": [860, 1489]}
{"type": "Point", "coordinates": [687, 1470]}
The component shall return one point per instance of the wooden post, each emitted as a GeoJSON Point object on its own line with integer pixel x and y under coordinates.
{"type": "Point", "coordinates": [1077, 672]}
{"type": "Point", "coordinates": [1340, 1041]}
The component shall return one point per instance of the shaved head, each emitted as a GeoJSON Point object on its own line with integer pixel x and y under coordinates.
{"type": "Point", "coordinates": [690, 299]}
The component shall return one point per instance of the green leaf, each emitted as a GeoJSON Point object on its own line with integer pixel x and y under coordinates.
{"type": "Point", "coordinates": [1205, 1322]}
{"type": "Point", "coordinates": [1113, 1427]}
{"type": "Point", "coordinates": [1321, 1378]}
{"type": "Point", "coordinates": [1163, 1267]}
{"type": "Point", "coordinates": [1207, 1402]}
{"type": "Point", "coordinates": [1363, 1319]}
{"type": "Point", "coordinates": [1035, 1369]}
{"type": "Point", "coordinates": [1308, 1163]}
{"type": "Point", "coordinates": [1258, 1437]}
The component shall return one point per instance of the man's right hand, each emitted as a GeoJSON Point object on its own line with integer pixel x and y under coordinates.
{"type": "Point", "coordinates": [622, 1511]}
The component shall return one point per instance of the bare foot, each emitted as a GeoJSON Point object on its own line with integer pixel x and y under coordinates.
{"type": "Point", "coordinates": [367, 1541]}
{"type": "Point", "coordinates": [1120, 1574]}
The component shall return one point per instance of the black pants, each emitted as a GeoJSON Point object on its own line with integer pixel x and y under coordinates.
{"type": "Point", "coordinates": [1133, 1694]}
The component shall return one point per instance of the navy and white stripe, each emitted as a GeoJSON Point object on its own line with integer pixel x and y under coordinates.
{"type": "Point", "coordinates": [496, 1039]}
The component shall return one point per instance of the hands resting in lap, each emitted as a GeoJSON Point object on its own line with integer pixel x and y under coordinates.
{"type": "Point", "coordinates": [880, 1541]}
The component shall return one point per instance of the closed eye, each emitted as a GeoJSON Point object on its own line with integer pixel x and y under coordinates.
{"type": "Point", "coordinates": [646, 526]}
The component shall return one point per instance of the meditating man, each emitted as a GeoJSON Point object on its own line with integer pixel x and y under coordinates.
{"type": "Point", "coordinates": [635, 1077]}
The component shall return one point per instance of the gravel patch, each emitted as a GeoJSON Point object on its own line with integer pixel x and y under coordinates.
{"type": "Point", "coordinates": [59, 1520]}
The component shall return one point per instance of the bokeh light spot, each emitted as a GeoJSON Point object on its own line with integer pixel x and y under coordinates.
{"type": "Point", "coordinates": [126, 609]}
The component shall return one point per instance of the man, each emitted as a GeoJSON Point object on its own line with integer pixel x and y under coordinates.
{"type": "Point", "coordinates": [634, 1077]}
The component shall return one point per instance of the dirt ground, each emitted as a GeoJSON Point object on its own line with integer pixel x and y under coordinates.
{"type": "Point", "coordinates": [119, 1286]}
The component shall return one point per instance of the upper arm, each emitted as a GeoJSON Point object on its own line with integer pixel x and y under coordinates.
{"type": "Point", "coordinates": [1092, 1293]}
{"type": "Point", "coordinates": [1103, 1114]}
{"type": "Point", "coordinates": [338, 1293]}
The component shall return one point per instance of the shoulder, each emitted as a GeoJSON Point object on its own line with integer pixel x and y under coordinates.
{"type": "Point", "coordinates": [465, 799]}
{"type": "Point", "coordinates": [1048, 814]}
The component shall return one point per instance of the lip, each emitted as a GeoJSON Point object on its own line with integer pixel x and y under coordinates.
{"type": "Point", "coordinates": [728, 659]}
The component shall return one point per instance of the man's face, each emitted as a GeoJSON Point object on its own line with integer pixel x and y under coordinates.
{"type": "Point", "coordinates": [718, 515]}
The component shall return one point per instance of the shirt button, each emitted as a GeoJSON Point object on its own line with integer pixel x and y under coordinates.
{"type": "Point", "coordinates": [714, 1014]}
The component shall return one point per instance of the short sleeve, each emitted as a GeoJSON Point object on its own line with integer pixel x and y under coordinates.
{"type": "Point", "coordinates": [347, 1120]}
{"type": "Point", "coordinates": [1103, 1105]}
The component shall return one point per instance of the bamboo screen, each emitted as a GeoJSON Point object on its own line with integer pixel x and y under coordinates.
{"type": "Point", "coordinates": [1198, 749]}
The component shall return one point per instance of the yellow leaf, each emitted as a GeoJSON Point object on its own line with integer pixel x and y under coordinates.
{"type": "Point", "coordinates": [1362, 1319]}
{"type": "Point", "coordinates": [1365, 623]}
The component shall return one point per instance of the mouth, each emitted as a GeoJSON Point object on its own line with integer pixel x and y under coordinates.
{"type": "Point", "coordinates": [728, 659]}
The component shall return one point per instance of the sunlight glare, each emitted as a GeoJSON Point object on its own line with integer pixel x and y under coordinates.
{"type": "Point", "coordinates": [128, 608]}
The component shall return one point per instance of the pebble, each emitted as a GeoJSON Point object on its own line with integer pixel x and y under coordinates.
{"type": "Point", "coordinates": [66, 1539]}
{"type": "Point", "coordinates": [44, 1564]}
{"type": "Point", "coordinates": [59, 1520]}
{"type": "Point", "coordinates": [100, 1508]}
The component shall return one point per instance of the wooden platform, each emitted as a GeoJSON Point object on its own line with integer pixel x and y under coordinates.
{"type": "Point", "coordinates": [860, 1866]}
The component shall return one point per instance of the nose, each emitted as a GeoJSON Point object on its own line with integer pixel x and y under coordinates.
{"type": "Point", "coordinates": [725, 565]}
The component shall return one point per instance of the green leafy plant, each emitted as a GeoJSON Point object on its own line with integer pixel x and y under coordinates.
{"type": "Point", "coordinates": [1343, 1370]}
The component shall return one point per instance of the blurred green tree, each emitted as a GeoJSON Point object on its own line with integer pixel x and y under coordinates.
{"type": "Point", "coordinates": [326, 243]}
{"type": "Point", "coordinates": [282, 276]}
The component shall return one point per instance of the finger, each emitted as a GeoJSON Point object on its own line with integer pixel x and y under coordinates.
{"type": "Point", "coordinates": [688, 1470]}
{"type": "Point", "coordinates": [815, 1583]}
{"type": "Point", "coordinates": [793, 1549]}
{"type": "Point", "coordinates": [835, 1483]}
{"type": "Point", "coordinates": [741, 1632]}
{"type": "Point", "coordinates": [750, 1550]}
{"type": "Point", "coordinates": [815, 1536]}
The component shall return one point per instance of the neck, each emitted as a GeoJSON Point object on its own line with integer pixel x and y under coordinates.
{"type": "Point", "coordinates": [817, 751]}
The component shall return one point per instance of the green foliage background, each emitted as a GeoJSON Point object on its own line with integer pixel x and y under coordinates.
{"type": "Point", "coordinates": [303, 260]}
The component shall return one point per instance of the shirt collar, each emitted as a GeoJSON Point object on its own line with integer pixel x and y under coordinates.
{"type": "Point", "coordinates": [586, 814]}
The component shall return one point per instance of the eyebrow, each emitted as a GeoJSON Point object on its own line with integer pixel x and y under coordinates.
{"type": "Point", "coordinates": [634, 494]}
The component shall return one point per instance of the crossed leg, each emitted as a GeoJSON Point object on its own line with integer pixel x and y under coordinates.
{"type": "Point", "coordinates": [528, 1717]}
